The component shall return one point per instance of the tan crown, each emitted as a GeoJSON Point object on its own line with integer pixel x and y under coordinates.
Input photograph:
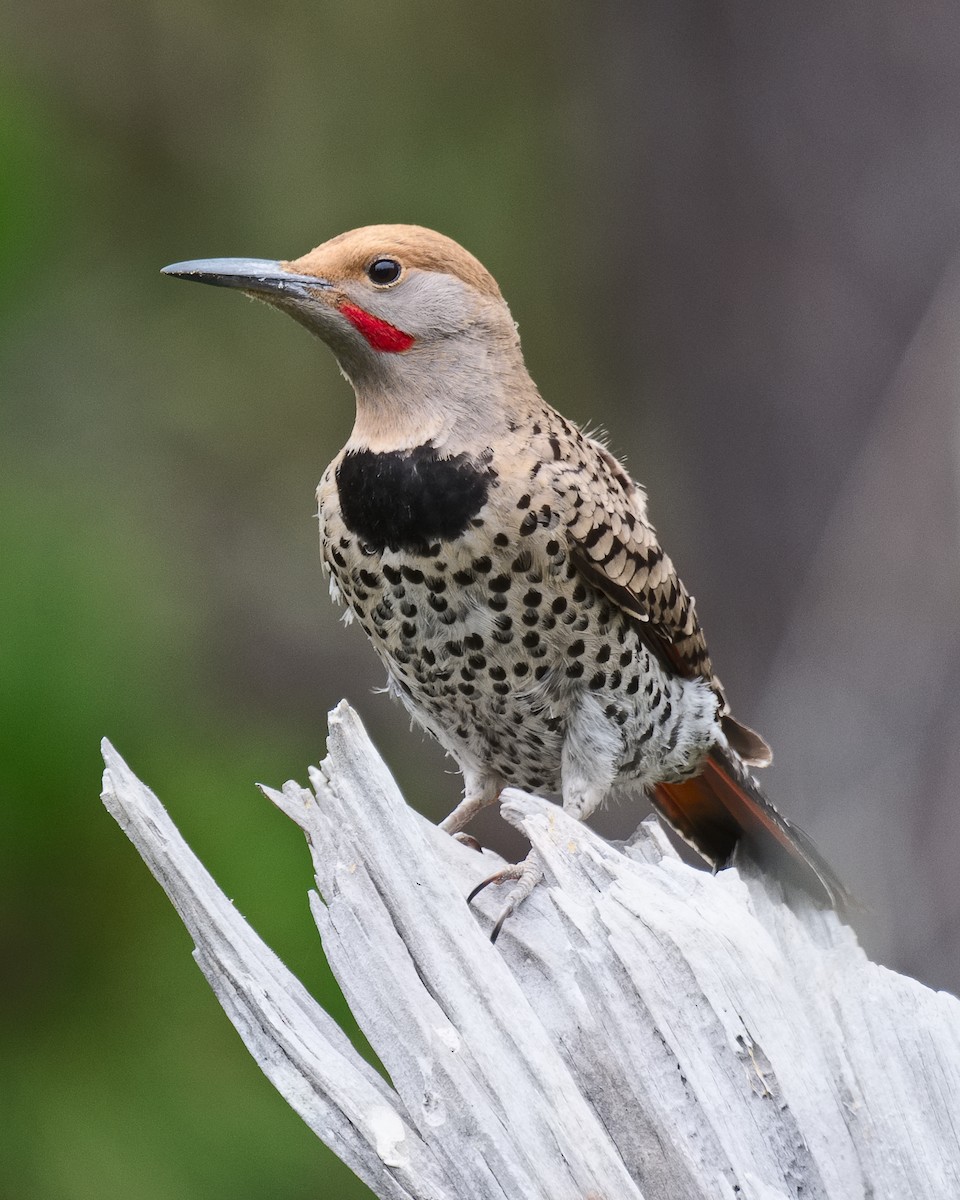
{"type": "Point", "coordinates": [348, 255]}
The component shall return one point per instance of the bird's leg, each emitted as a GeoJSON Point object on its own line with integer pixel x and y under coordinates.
{"type": "Point", "coordinates": [479, 791]}
{"type": "Point", "coordinates": [579, 802]}
{"type": "Point", "coordinates": [592, 748]}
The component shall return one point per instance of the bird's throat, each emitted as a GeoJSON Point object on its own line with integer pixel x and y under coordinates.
{"type": "Point", "coordinates": [381, 335]}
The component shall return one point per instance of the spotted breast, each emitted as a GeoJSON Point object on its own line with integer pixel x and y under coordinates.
{"type": "Point", "coordinates": [465, 578]}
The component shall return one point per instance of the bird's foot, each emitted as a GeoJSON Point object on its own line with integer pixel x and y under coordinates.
{"type": "Point", "coordinates": [527, 875]}
{"type": "Point", "coordinates": [468, 840]}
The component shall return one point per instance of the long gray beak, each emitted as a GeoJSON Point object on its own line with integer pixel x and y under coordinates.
{"type": "Point", "coordinates": [248, 274]}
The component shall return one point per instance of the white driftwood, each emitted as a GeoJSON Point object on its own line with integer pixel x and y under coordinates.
{"type": "Point", "coordinates": [641, 1029]}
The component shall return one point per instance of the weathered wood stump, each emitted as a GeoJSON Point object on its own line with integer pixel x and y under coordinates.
{"type": "Point", "coordinates": [641, 1029]}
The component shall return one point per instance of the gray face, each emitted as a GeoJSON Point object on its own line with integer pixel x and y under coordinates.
{"type": "Point", "coordinates": [429, 306]}
{"type": "Point", "coordinates": [424, 349]}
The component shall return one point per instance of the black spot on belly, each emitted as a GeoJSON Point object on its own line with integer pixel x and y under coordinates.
{"type": "Point", "coordinates": [406, 499]}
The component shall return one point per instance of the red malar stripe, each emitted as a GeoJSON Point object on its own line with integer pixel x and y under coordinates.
{"type": "Point", "coordinates": [380, 334]}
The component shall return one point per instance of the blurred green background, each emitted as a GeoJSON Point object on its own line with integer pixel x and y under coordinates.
{"type": "Point", "coordinates": [720, 228]}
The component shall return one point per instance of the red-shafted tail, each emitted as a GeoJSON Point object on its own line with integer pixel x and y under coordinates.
{"type": "Point", "coordinates": [724, 806]}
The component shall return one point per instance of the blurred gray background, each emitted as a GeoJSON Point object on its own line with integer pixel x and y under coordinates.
{"type": "Point", "coordinates": [729, 235]}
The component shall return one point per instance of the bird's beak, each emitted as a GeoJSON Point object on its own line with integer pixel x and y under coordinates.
{"type": "Point", "coordinates": [258, 275]}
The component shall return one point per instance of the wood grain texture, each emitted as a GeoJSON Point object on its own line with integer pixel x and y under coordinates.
{"type": "Point", "coordinates": [641, 1029]}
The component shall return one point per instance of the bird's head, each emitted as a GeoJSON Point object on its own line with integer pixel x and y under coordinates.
{"type": "Point", "coordinates": [417, 324]}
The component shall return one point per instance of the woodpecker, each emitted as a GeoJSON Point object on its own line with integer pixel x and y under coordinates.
{"type": "Point", "coordinates": [502, 561]}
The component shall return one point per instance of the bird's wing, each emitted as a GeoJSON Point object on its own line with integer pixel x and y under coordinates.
{"type": "Point", "coordinates": [616, 549]}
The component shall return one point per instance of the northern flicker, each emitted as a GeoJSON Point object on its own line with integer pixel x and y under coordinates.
{"type": "Point", "coordinates": [502, 562]}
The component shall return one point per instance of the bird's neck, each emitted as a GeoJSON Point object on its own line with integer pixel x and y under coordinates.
{"type": "Point", "coordinates": [459, 395]}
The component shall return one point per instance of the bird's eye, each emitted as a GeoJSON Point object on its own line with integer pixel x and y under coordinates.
{"type": "Point", "coordinates": [383, 271]}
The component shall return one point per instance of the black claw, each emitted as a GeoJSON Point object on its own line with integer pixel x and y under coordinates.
{"type": "Point", "coordinates": [479, 888]}
{"type": "Point", "coordinates": [499, 925]}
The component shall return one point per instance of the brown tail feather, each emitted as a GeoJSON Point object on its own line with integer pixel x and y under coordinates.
{"type": "Point", "coordinates": [724, 806]}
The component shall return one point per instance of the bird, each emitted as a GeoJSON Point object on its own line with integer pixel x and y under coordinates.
{"type": "Point", "coordinates": [503, 563]}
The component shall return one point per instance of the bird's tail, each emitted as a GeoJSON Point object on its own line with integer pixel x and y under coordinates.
{"type": "Point", "coordinates": [724, 806]}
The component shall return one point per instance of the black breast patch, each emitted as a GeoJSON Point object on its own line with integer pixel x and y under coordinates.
{"type": "Point", "coordinates": [406, 499]}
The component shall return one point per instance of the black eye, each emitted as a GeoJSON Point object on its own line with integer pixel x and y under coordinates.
{"type": "Point", "coordinates": [384, 271]}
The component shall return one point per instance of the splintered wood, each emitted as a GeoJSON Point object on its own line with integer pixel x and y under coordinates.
{"type": "Point", "coordinates": [641, 1029]}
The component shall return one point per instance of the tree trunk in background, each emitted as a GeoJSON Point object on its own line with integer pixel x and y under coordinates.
{"type": "Point", "coordinates": [775, 210]}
